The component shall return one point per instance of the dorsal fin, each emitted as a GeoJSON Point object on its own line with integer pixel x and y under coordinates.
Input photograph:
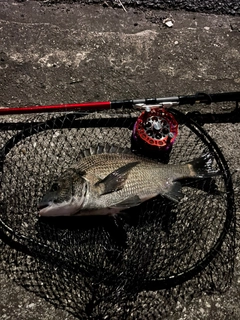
{"type": "Point", "coordinates": [103, 148]}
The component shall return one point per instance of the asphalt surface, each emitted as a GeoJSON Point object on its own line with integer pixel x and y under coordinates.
{"type": "Point", "coordinates": [203, 6]}
{"type": "Point", "coordinates": [52, 52]}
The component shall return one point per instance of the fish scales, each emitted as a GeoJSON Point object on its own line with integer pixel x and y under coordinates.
{"type": "Point", "coordinates": [102, 165]}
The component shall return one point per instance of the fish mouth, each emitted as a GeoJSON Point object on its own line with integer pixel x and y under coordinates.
{"type": "Point", "coordinates": [43, 205]}
{"type": "Point", "coordinates": [44, 208]}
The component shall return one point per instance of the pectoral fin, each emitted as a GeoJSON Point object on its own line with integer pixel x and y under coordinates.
{"type": "Point", "coordinates": [116, 179]}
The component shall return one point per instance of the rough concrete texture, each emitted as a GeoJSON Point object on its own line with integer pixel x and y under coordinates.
{"type": "Point", "coordinates": [206, 6]}
{"type": "Point", "coordinates": [73, 53]}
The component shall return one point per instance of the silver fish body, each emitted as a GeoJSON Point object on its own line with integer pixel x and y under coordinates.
{"type": "Point", "coordinates": [108, 180]}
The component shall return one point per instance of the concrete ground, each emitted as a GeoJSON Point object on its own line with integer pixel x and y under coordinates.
{"type": "Point", "coordinates": [74, 52]}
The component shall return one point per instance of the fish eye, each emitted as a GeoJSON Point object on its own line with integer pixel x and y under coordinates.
{"type": "Point", "coordinates": [55, 186]}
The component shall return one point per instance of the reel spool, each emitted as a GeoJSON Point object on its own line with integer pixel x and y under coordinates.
{"type": "Point", "coordinates": [154, 132]}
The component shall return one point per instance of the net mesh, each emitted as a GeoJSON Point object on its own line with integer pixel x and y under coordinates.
{"type": "Point", "coordinates": [90, 266]}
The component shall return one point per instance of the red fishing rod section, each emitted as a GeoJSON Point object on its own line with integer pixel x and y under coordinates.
{"type": "Point", "coordinates": [85, 106]}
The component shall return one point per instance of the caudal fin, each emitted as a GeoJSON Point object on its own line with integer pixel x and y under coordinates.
{"type": "Point", "coordinates": [202, 167]}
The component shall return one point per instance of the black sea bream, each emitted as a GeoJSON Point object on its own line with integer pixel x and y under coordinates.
{"type": "Point", "coordinates": [107, 180]}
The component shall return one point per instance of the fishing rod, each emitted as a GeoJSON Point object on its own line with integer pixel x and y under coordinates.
{"type": "Point", "coordinates": [204, 98]}
{"type": "Point", "coordinates": [155, 129]}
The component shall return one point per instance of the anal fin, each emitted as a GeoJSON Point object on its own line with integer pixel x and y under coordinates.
{"type": "Point", "coordinates": [132, 201]}
{"type": "Point", "coordinates": [174, 193]}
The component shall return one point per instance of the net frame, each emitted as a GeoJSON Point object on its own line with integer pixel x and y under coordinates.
{"type": "Point", "coordinates": [41, 251]}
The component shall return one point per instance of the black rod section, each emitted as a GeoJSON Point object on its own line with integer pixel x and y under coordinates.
{"type": "Point", "coordinates": [209, 98]}
{"type": "Point", "coordinates": [129, 103]}
{"type": "Point", "coordinates": [200, 97]}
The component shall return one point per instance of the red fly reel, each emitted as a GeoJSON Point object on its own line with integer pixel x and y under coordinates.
{"type": "Point", "coordinates": [155, 130]}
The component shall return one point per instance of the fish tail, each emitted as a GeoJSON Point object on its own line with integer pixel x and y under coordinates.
{"type": "Point", "coordinates": [202, 167]}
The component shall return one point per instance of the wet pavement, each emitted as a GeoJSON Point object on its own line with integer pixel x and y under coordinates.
{"type": "Point", "coordinates": [70, 52]}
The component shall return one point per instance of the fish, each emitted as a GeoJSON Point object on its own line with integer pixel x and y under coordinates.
{"type": "Point", "coordinates": [107, 180]}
